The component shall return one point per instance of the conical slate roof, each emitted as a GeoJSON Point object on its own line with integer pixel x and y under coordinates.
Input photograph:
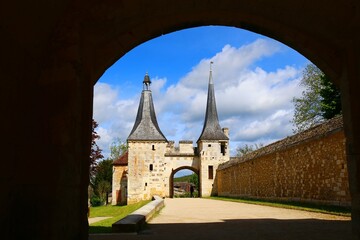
{"type": "Point", "coordinates": [146, 126]}
{"type": "Point", "coordinates": [212, 129]}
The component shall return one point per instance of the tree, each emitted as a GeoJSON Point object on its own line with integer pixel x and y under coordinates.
{"type": "Point", "coordinates": [241, 151]}
{"type": "Point", "coordinates": [307, 111]}
{"type": "Point", "coordinates": [103, 174]}
{"type": "Point", "coordinates": [103, 188]}
{"type": "Point", "coordinates": [95, 153]}
{"type": "Point", "coordinates": [330, 99]}
{"type": "Point", "coordinates": [101, 179]}
{"type": "Point", "coordinates": [320, 100]}
{"type": "Point", "coordinates": [194, 179]}
{"type": "Point", "coordinates": [117, 149]}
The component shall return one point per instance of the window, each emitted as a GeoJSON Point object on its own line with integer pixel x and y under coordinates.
{"type": "Point", "coordinates": [211, 172]}
{"type": "Point", "coordinates": [153, 147]}
{"type": "Point", "coordinates": [223, 147]}
{"type": "Point", "coordinates": [209, 145]}
{"type": "Point", "coordinates": [151, 167]}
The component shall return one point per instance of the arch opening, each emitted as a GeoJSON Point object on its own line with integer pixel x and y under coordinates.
{"type": "Point", "coordinates": [187, 185]}
{"type": "Point", "coordinates": [169, 84]}
{"type": "Point", "coordinates": [53, 68]}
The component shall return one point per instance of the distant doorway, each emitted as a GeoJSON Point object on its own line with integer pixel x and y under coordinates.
{"type": "Point", "coordinates": [184, 183]}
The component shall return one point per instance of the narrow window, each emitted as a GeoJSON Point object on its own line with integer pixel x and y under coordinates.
{"type": "Point", "coordinates": [209, 145]}
{"type": "Point", "coordinates": [223, 149]}
{"type": "Point", "coordinates": [211, 172]}
{"type": "Point", "coordinates": [151, 167]}
{"type": "Point", "coordinates": [153, 147]}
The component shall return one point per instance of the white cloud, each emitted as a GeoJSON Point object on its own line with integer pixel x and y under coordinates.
{"type": "Point", "coordinates": [254, 104]}
{"type": "Point", "coordinates": [104, 98]}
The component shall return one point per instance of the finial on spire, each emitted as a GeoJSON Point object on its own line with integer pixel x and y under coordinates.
{"type": "Point", "coordinates": [146, 82]}
{"type": "Point", "coordinates": [210, 76]}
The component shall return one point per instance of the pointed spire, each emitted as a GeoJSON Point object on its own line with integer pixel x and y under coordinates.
{"type": "Point", "coordinates": [212, 129]}
{"type": "Point", "coordinates": [146, 126]}
{"type": "Point", "coordinates": [210, 75]}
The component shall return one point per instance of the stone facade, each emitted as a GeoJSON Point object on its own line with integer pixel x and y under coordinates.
{"type": "Point", "coordinates": [152, 160]}
{"type": "Point", "coordinates": [146, 170]}
{"type": "Point", "coordinates": [309, 166]}
{"type": "Point", "coordinates": [119, 183]}
{"type": "Point", "coordinates": [212, 154]}
{"type": "Point", "coordinates": [119, 194]}
{"type": "Point", "coordinates": [153, 164]}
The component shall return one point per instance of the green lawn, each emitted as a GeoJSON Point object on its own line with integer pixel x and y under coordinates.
{"type": "Point", "coordinates": [115, 212]}
{"type": "Point", "coordinates": [335, 210]}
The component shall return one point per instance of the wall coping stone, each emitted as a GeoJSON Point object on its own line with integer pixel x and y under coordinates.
{"type": "Point", "coordinates": [326, 128]}
{"type": "Point", "coordinates": [135, 221]}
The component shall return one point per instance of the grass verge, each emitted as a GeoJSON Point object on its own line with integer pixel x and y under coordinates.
{"type": "Point", "coordinates": [334, 210]}
{"type": "Point", "coordinates": [115, 212]}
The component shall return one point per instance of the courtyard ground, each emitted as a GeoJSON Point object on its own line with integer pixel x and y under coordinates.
{"type": "Point", "coordinates": [197, 218]}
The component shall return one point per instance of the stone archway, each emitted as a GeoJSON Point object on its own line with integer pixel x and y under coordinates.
{"type": "Point", "coordinates": [53, 54]}
{"type": "Point", "coordinates": [171, 179]}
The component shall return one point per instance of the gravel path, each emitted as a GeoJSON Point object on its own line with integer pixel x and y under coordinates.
{"type": "Point", "coordinates": [196, 218]}
{"type": "Point", "coordinates": [197, 210]}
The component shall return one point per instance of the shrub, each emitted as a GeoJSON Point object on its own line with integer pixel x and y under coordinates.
{"type": "Point", "coordinates": [95, 201]}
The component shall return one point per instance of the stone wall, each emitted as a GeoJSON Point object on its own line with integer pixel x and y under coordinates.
{"type": "Point", "coordinates": [146, 170]}
{"type": "Point", "coordinates": [119, 189]}
{"type": "Point", "coordinates": [309, 166]}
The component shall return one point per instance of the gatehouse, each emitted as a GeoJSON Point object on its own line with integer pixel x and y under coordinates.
{"type": "Point", "coordinates": [149, 165]}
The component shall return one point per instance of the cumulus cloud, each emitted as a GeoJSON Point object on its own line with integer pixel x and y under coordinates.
{"type": "Point", "coordinates": [253, 103]}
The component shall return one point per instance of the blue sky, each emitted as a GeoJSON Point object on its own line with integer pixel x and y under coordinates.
{"type": "Point", "coordinates": [255, 79]}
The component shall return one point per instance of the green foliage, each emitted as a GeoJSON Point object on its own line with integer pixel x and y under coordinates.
{"type": "Point", "coordinates": [104, 171]}
{"type": "Point", "coordinates": [182, 179]}
{"type": "Point", "coordinates": [95, 201]}
{"type": "Point", "coordinates": [102, 180]}
{"type": "Point", "coordinates": [330, 99]}
{"type": "Point", "coordinates": [194, 179]}
{"type": "Point", "coordinates": [117, 149]}
{"type": "Point", "coordinates": [245, 149]}
{"type": "Point", "coordinates": [320, 100]}
{"type": "Point", "coordinates": [307, 111]}
{"type": "Point", "coordinates": [95, 152]}
{"type": "Point", "coordinates": [102, 189]}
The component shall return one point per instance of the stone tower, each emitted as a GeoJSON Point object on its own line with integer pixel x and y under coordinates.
{"type": "Point", "coordinates": [151, 160]}
{"type": "Point", "coordinates": [147, 146]}
{"type": "Point", "coordinates": [212, 144]}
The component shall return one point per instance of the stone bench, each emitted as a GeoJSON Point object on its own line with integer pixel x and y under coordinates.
{"type": "Point", "coordinates": [135, 221]}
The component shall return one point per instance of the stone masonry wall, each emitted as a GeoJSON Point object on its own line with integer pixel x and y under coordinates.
{"type": "Point", "coordinates": [309, 167]}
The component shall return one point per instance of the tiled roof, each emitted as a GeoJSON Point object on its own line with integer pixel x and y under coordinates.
{"type": "Point", "coordinates": [122, 160]}
{"type": "Point", "coordinates": [146, 126]}
{"type": "Point", "coordinates": [212, 129]}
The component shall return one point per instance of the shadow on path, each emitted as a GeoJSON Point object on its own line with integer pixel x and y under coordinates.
{"type": "Point", "coordinates": [248, 229]}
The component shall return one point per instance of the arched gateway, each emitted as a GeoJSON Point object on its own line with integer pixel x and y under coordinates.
{"type": "Point", "coordinates": [152, 160]}
{"type": "Point", "coordinates": [171, 179]}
